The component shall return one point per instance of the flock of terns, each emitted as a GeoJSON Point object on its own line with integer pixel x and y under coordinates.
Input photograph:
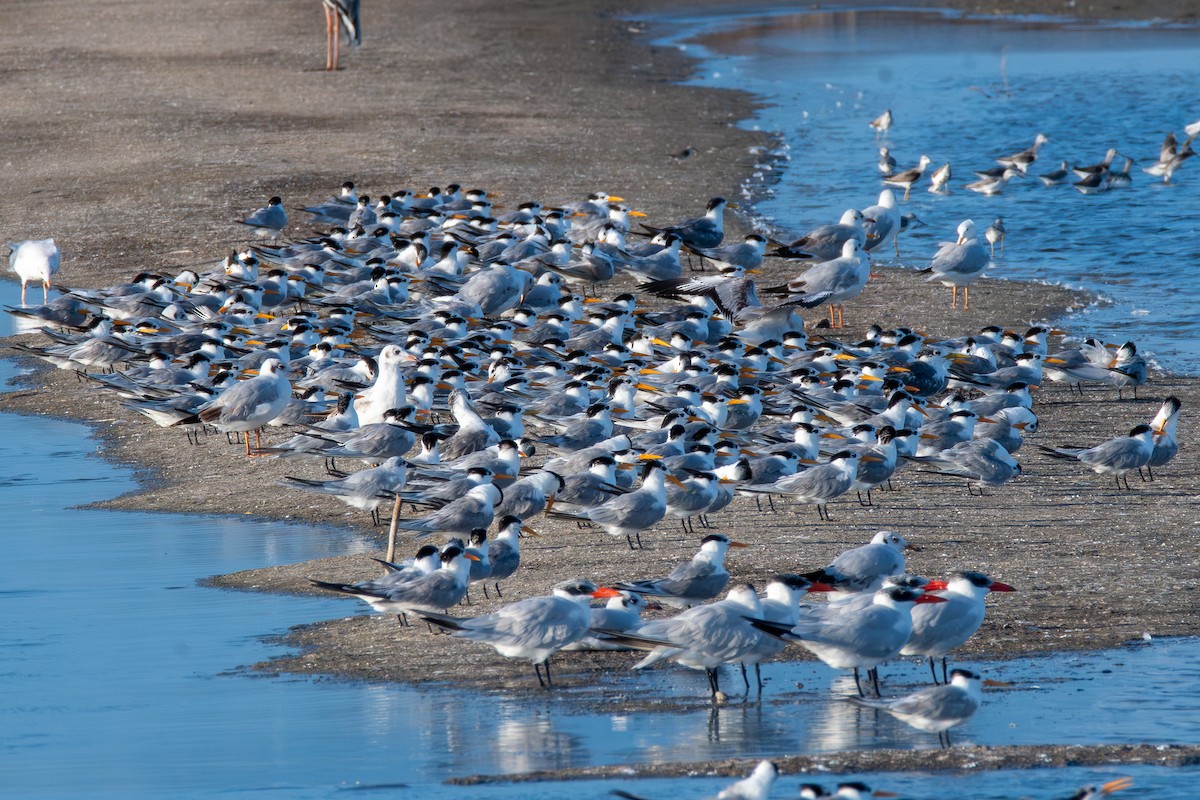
{"type": "Point", "coordinates": [462, 354]}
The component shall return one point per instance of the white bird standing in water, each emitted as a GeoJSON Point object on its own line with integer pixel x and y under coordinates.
{"type": "Point", "coordinates": [34, 259]}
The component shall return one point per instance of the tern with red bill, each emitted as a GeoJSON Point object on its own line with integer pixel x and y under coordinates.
{"type": "Point", "coordinates": [936, 709]}
{"type": "Point", "coordinates": [942, 627]}
{"type": "Point", "coordinates": [535, 628]}
{"type": "Point", "coordinates": [859, 637]}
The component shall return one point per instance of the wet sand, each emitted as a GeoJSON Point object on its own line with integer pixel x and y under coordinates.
{"type": "Point", "coordinates": [141, 131]}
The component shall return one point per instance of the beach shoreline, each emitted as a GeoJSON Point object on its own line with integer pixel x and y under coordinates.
{"type": "Point", "coordinates": [157, 149]}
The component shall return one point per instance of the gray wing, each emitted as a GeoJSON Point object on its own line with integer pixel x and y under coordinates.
{"type": "Point", "coordinates": [965, 260]}
{"type": "Point", "coordinates": [542, 622]}
{"type": "Point", "coordinates": [872, 560]}
{"type": "Point", "coordinates": [1123, 453]}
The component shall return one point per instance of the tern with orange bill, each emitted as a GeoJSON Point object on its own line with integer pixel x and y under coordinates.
{"type": "Point", "coordinates": [535, 628]}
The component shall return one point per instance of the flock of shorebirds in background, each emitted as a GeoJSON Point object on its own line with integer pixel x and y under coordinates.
{"type": "Point", "coordinates": [1087, 178]}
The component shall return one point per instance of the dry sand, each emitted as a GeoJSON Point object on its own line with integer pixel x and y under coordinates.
{"type": "Point", "coordinates": [140, 130]}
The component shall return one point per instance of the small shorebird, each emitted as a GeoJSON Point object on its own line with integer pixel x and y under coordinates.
{"type": "Point", "coordinates": [882, 124]}
{"type": "Point", "coordinates": [905, 180]}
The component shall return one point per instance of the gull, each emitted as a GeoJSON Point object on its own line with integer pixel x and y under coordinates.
{"type": "Point", "coordinates": [937, 708]}
{"type": "Point", "coordinates": [745, 255]}
{"type": "Point", "coordinates": [959, 263]}
{"type": "Point", "coordinates": [755, 787]}
{"type": "Point", "coordinates": [882, 124]}
{"type": "Point", "coordinates": [942, 627]}
{"type": "Point", "coordinates": [832, 282]}
{"type": "Point", "coordinates": [535, 628]}
{"type": "Point", "coordinates": [341, 17]}
{"type": "Point", "coordinates": [34, 259]}
{"type": "Point", "coordinates": [905, 180]}
{"type": "Point", "coordinates": [827, 241]}
{"type": "Point", "coordinates": [881, 221]}
{"type": "Point", "coordinates": [1115, 457]}
{"type": "Point", "coordinates": [692, 582]}
{"type": "Point", "coordinates": [248, 405]}
{"type": "Point", "coordinates": [268, 221]}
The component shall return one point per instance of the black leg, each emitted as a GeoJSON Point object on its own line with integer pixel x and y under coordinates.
{"type": "Point", "coordinates": [933, 671]}
{"type": "Point", "coordinates": [858, 683]}
{"type": "Point", "coordinates": [945, 677]}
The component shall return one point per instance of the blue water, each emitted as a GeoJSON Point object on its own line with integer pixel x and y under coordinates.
{"type": "Point", "coordinates": [967, 91]}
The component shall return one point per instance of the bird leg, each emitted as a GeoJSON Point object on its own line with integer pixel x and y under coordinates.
{"type": "Point", "coordinates": [758, 677]}
{"type": "Point", "coordinates": [857, 683]}
{"type": "Point", "coordinates": [966, 297]}
{"type": "Point", "coordinates": [402, 618]}
{"type": "Point", "coordinates": [498, 589]}
{"type": "Point", "coordinates": [874, 673]}
{"type": "Point", "coordinates": [945, 677]}
{"type": "Point", "coordinates": [537, 670]}
{"type": "Point", "coordinates": [954, 297]}
{"type": "Point", "coordinates": [745, 679]}
{"type": "Point", "coordinates": [331, 34]}
{"type": "Point", "coordinates": [933, 671]}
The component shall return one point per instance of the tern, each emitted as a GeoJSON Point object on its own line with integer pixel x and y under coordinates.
{"type": "Point", "coordinates": [1163, 426]}
{"type": "Point", "coordinates": [1115, 457]}
{"type": "Point", "coordinates": [434, 592]}
{"type": "Point", "coordinates": [857, 636]}
{"type": "Point", "coordinates": [937, 708]}
{"type": "Point", "coordinates": [268, 221]}
{"type": "Point", "coordinates": [862, 569]}
{"type": "Point", "coordinates": [705, 637]}
{"type": "Point", "coordinates": [942, 627]}
{"type": "Point", "coordinates": [693, 582]}
{"type": "Point", "coordinates": [535, 628]}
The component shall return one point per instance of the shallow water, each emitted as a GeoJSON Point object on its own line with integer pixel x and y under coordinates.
{"type": "Point", "coordinates": [967, 91]}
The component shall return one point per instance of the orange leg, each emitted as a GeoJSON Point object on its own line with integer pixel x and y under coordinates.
{"type": "Point", "coordinates": [954, 297]}
{"type": "Point", "coordinates": [330, 39]}
{"type": "Point", "coordinates": [966, 297]}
